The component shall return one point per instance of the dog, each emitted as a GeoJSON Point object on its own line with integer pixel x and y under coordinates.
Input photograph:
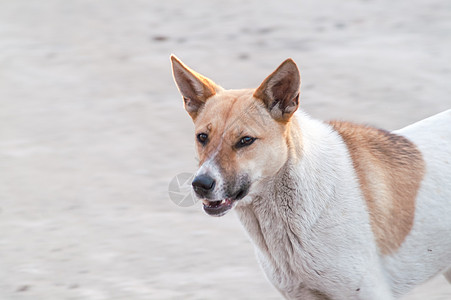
{"type": "Point", "coordinates": [335, 210]}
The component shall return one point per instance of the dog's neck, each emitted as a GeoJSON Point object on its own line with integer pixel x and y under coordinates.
{"type": "Point", "coordinates": [288, 205]}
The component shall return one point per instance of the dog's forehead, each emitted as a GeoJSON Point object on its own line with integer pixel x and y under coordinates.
{"type": "Point", "coordinates": [231, 111]}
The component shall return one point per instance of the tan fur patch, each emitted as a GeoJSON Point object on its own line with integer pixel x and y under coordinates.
{"type": "Point", "coordinates": [389, 169]}
{"type": "Point", "coordinates": [231, 115]}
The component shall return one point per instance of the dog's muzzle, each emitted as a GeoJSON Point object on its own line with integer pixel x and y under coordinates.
{"type": "Point", "coordinates": [204, 185]}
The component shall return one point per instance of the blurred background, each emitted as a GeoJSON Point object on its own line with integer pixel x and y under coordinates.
{"type": "Point", "coordinates": [92, 129]}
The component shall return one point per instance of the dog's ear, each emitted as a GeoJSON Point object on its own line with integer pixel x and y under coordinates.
{"type": "Point", "coordinates": [195, 88]}
{"type": "Point", "coordinates": [280, 91]}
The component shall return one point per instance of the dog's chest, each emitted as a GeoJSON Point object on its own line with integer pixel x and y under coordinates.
{"type": "Point", "coordinates": [291, 264]}
{"type": "Point", "coordinates": [280, 261]}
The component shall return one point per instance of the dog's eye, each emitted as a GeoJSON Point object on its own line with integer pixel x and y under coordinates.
{"type": "Point", "coordinates": [245, 141]}
{"type": "Point", "coordinates": [202, 138]}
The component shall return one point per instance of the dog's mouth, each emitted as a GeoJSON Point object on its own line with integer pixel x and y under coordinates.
{"type": "Point", "coordinates": [219, 208]}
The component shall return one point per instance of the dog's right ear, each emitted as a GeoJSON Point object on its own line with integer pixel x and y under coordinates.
{"type": "Point", "coordinates": [194, 87]}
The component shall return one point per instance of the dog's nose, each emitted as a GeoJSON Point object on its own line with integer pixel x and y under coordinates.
{"type": "Point", "coordinates": [203, 184]}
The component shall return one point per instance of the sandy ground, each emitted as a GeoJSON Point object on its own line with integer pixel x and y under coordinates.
{"type": "Point", "coordinates": [92, 129]}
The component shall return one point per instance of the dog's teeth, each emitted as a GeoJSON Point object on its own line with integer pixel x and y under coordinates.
{"type": "Point", "coordinates": [223, 201]}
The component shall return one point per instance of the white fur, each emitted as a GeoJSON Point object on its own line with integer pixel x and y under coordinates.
{"type": "Point", "coordinates": [311, 228]}
{"type": "Point", "coordinates": [427, 249]}
{"type": "Point", "coordinates": [211, 168]}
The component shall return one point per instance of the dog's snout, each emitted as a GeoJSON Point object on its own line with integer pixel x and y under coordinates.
{"type": "Point", "coordinates": [203, 184]}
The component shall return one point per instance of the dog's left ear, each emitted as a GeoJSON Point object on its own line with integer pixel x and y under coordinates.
{"type": "Point", "coordinates": [195, 88]}
{"type": "Point", "coordinates": [280, 91]}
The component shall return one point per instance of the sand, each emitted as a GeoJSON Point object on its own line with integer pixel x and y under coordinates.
{"type": "Point", "coordinates": [92, 129]}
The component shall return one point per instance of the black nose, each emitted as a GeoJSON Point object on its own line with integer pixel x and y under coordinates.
{"type": "Point", "coordinates": [203, 184]}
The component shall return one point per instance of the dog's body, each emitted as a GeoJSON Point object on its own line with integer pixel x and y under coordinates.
{"type": "Point", "coordinates": [321, 241]}
{"type": "Point", "coordinates": [335, 210]}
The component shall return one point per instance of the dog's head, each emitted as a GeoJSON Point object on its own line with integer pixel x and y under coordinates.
{"type": "Point", "coordinates": [241, 135]}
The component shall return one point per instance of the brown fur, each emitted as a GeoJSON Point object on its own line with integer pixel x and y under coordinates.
{"type": "Point", "coordinates": [226, 116]}
{"type": "Point", "coordinates": [194, 87]}
{"type": "Point", "coordinates": [231, 115]}
{"type": "Point", "coordinates": [280, 91]}
{"type": "Point", "coordinates": [389, 169]}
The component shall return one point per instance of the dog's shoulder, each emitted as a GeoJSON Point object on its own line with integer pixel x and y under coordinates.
{"type": "Point", "coordinates": [390, 169]}
{"type": "Point", "coordinates": [387, 148]}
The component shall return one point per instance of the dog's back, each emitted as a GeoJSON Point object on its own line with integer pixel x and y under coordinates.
{"type": "Point", "coordinates": [429, 241]}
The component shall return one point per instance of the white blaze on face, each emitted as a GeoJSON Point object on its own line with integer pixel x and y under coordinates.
{"type": "Point", "coordinates": [211, 169]}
